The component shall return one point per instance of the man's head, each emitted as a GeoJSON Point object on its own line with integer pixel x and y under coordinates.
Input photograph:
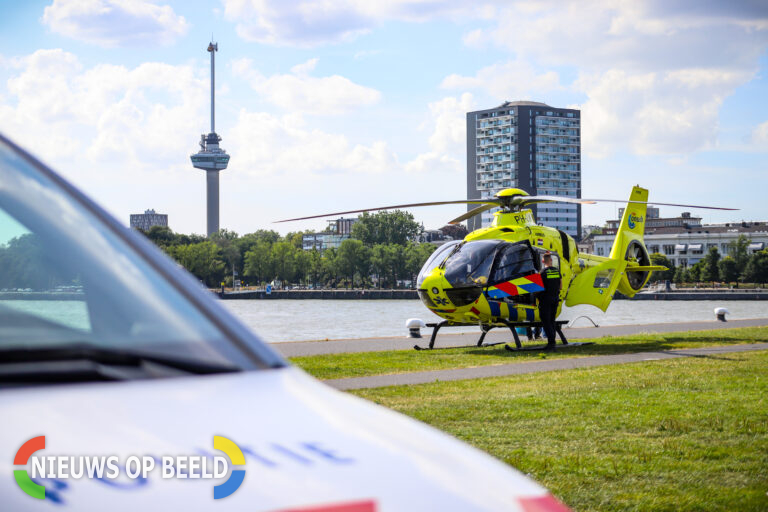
{"type": "Point", "coordinates": [547, 259]}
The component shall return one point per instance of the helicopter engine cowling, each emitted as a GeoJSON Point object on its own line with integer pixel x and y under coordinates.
{"type": "Point", "coordinates": [633, 281]}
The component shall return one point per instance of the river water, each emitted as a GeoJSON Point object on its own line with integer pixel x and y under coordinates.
{"type": "Point", "coordinates": [303, 320]}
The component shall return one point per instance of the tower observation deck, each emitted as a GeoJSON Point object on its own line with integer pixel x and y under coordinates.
{"type": "Point", "coordinates": [211, 158]}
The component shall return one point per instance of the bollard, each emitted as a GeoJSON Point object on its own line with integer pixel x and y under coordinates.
{"type": "Point", "coordinates": [414, 326]}
{"type": "Point", "coordinates": [720, 314]}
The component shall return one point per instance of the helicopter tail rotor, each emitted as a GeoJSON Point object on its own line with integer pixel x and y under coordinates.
{"type": "Point", "coordinates": [637, 253]}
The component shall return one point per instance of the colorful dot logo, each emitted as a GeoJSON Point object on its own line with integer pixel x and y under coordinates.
{"type": "Point", "coordinates": [236, 477]}
{"type": "Point", "coordinates": [22, 477]}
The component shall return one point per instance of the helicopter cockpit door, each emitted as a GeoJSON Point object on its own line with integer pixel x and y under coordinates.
{"type": "Point", "coordinates": [514, 276]}
{"type": "Point", "coordinates": [596, 285]}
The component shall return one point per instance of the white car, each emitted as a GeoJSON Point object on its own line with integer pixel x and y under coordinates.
{"type": "Point", "coordinates": [140, 364]}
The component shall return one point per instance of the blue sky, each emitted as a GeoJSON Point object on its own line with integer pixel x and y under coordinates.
{"type": "Point", "coordinates": [327, 106]}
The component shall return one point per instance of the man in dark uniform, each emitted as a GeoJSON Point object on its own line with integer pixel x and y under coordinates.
{"type": "Point", "coordinates": [549, 298]}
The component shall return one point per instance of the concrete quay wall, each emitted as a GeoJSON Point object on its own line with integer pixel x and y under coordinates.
{"type": "Point", "coordinates": [322, 294]}
{"type": "Point", "coordinates": [412, 295]}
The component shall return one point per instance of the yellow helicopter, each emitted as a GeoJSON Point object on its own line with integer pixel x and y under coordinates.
{"type": "Point", "coordinates": [491, 278]}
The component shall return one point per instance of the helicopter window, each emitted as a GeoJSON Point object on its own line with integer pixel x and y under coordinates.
{"type": "Point", "coordinates": [434, 260]}
{"type": "Point", "coordinates": [603, 279]}
{"type": "Point", "coordinates": [540, 254]}
{"type": "Point", "coordinates": [471, 264]}
{"type": "Point", "coordinates": [514, 260]}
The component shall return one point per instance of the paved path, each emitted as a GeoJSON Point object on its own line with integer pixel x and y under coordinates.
{"type": "Point", "coordinates": [533, 367]}
{"type": "Point", "coordinates": [446, 339]}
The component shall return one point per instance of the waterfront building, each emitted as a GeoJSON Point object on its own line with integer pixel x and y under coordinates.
{"type": "Point", "coordinates": [435, 237]}
{"type": "Point", "coordinates": [149, 218]}
{"type": "Point", "coordinates": [337, 231]}
{"type": "Point", "coordinates": [527, 145]}
{"type": "Point", "coordinates": [684, 239]}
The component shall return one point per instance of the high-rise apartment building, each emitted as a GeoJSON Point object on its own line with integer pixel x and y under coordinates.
{"type": "Point", "coordinates": [149, 218]}
{"type": "Point", "coordinates": [527, 145]}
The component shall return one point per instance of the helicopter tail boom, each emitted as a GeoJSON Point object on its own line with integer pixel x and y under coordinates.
{"type": "Point", "coordinates": [629, 246]}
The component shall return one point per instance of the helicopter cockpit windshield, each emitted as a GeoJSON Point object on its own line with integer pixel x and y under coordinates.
{"type": "Point", "coordinates": [474, 266]}
{"type": "Point", "coordinates": [435, 260]}
{"type": "Point", "coordinates": [513, 261]}
{"type": "Point", "coordinates": [471, 264]}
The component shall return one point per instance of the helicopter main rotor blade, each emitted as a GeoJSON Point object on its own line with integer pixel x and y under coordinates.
{"type": "Point", "coordinates": [494, 202]}
{"type": "Point", "coordinates": [661, 204]}
{"type": "Point", "coordinates": [524, 200]}
{"type": "Point", "coordinates": [471, 213]}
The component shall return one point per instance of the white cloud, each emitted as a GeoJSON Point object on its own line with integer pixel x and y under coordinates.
{"type": "Point", "coordinates": [285, 146]}
{"type": "Point", "coordinates": [301, 92]}
{"type": "Point", "coordinates": [513, 80]}
{"type": "Point", "coordinates": [760, 136]}
{"type": "Point", "coordinates": [634, 36]}
{"type": "Point", "coordinates": [309, 22]}
{"type": "Point", "coordinates": [653, 113]}
{"type": "Point", "coordinates": [146, 115]}
{"type": "Point", "coordinates": [653, 74]}
{"type": "Point", "coordinates": [115, 22]}
{"type": "Point", "coordinates": [447, 119]}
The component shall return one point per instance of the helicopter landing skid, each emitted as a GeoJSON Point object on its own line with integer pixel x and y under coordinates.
{"type": "Point", "coordinates": [485, 328]}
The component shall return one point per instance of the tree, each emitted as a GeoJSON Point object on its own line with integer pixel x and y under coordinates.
{"type": "Point", "coordinates": [301, 265]}
{"type": "Point", "coordinates": [202, 259]}
{"type": "Point", "coordinates": [455, 231]}
{"type": "Point", "coordinates": [395, 227]}
{"type": "Point", "coordinates": [27, 263]}
{"type": "Point", "coordinates": [353, 259]}
{"type": "Point", "coordinates": [756, 270]}
{"type": "Point", "coordinates": [416, 256]}
{"type": "Point", "coordinates": [315, 261]}
{"type": "Point", "coordinates": [379, 261]}
{"type": "Point", "coordinates": [330, 266]}
{"type": "Point", "coordinates": [297, 238]}
{"type": "Point", "coordinates": [739, 251]}
{"type": "Point", "coordinates": [161, 236]}
{"type": "Point", "coordinates": [224, 234]}
{"type": "Point", "coordinates": [283, 253]}
{"type": "Point", "coordinates": [679, 276]}
{"type": "Point", "coordinates": [665, 275]}
{"type": "Point", "coordinates": [258, 262]}
{"type": "Point", "coordinates": [728, 269]}
{"type": "Point", "coordinates": [396, 257]}
{"type": "Point", "coordinates": [694, 273]}
{"type": "Point", "coordinates": [709, 269]}
{"type": "Point", "coordinates": [226, 241]}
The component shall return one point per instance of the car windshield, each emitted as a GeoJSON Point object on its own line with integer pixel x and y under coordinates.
{"type": "Point", "coordinates": [69, 279]}
{"type": "Point", "coordinates": [471, 264]}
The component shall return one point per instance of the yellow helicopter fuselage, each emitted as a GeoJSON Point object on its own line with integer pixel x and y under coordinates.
{"type": "Point", "coordinates": [492, 276]}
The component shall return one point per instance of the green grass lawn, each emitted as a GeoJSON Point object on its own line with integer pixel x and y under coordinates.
{"type": "Point", "coordinates": [676, 435]}
{"type": "Point", "coordinates": [335, 366]}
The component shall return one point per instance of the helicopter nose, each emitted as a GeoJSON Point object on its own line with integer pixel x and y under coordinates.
{"type": "Point", "coordinates": [431, 292]}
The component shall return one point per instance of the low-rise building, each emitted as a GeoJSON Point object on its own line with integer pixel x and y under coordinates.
{"type": "Point", "coordinates": [338, 230]}
{"type": "Point", "coordinates": [684, 240]}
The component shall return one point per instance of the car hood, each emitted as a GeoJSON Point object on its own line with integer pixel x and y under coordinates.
{"type": "Point", "coordinates": [305, 445]}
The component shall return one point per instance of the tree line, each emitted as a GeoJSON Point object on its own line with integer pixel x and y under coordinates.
{"type": "Point", "coordinates": [738, 266]}
{"type": "Point", "coordinates": [380, 253]}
